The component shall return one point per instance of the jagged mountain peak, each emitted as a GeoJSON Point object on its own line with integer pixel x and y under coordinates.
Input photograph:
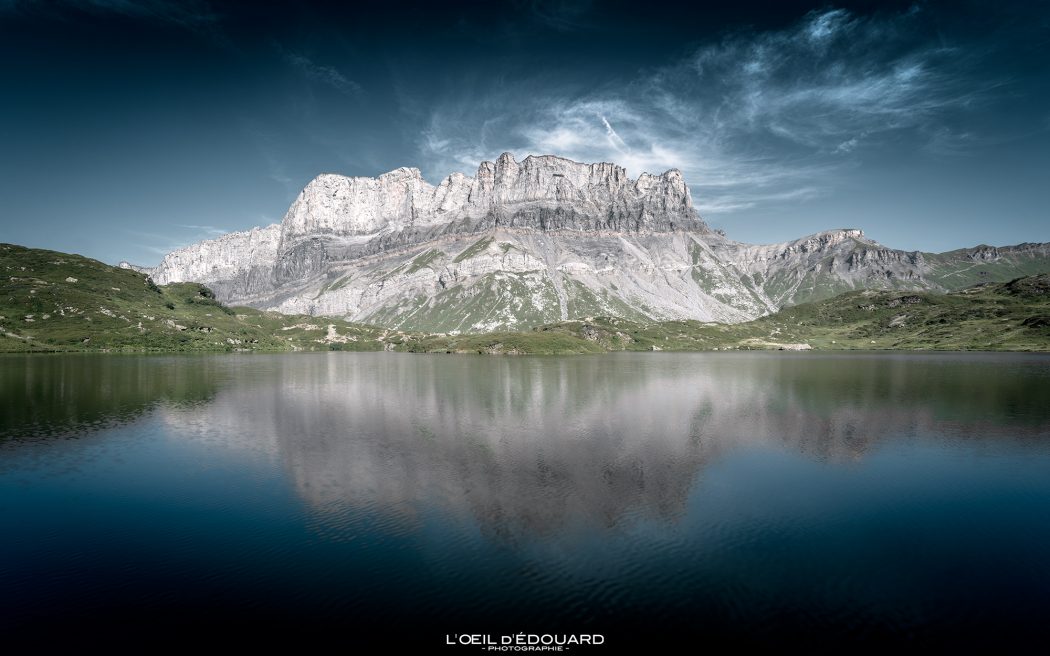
{"type": "Point", "coordinates": [836, 235]}
{"type": "Point", "coordinates": [508, 166]}
{"type": "Point", "coordinates": [344, 206]}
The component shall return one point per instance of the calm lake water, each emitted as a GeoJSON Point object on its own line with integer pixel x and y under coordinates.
{"type": "Point", "coordinates": [655, 499]}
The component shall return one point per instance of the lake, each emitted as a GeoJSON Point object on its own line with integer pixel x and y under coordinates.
{"type": "Point", "coordinates": [402, 500]}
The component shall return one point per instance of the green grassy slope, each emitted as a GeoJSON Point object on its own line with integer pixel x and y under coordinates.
{"type": "Point", "coordinates": [995, 316]}
{"type": "Point", "coordinates": [52, 301]}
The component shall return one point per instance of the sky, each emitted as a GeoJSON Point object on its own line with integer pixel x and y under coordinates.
{"type": "Point", "coordinates": [130, 128]}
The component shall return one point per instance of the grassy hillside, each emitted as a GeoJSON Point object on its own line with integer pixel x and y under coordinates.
{"type": "Point", "coordinates": [994, 316]}
{"type": "Point", "coordinates": [52, 301]}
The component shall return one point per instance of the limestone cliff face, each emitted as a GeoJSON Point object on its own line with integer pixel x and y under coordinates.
{"type": "Point", "coordinates": [541, 240]}
{"type": "Point", "coordinates": [593, 195]}
{"type": "Point", "coordinates": [247, 257]}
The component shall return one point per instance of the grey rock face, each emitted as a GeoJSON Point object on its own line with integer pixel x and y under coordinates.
{"type": "Point", "coordinates": [545, 239]}
{"type": "Point", "coordinates": [124, 264]}
{"type": "Point", "coordinates": [589, 195]}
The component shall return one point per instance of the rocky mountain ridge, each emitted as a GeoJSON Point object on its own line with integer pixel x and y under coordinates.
{"type": "Point", "coordinates": [543, 240]}
{"type": "Point", "coordinates": [591, 196]}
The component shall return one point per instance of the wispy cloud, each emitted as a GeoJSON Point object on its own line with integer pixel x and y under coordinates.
{"type": "Point", "coordinates": [265, 143]}
{"type": "Point", "coordinates": [561, 15]}
{"type": "Point", "coordinates": [752, 120]}
{"type": "Point", "coordinates": [189, 13]}
{"type": "Point", "coordinates": [323, 74]}
{"type": "Point", "coordinates": [196, 15]}
{"type": "Point", "coordinates": [179, 236]}
{"type": "Point", "coordinates": [211, 231]}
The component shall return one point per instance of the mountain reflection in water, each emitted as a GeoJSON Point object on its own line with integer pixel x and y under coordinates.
{"type": "Point", "coordinates": [803, 499]}
{"type": "Point", "coordinates": [531, 445]}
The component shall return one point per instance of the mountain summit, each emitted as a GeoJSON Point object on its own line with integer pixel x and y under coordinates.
{"type": "Point", "coordinates": [542, 192]}
{"type": "Point", "coordinates": [543, 240]}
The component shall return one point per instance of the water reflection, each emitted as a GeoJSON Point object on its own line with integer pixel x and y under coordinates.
{"type": "Point", "coordinates": [530, 446]}
{"type": "Point", "coordinates": [46, 396]}
{"type": "Point", "coordinates": [647, 496]}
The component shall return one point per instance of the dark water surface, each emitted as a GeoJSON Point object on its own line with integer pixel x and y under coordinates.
{"type": "Point", "coordinates": [657, 499]}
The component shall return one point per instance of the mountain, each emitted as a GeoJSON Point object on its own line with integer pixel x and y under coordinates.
{"type": "Point", "coordinates": [544, 240]}
{"type": "Point", "coordinates": [52, 301]}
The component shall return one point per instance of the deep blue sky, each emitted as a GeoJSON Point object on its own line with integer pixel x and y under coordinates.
{"type": "Point", "coordinates": [130, 128]}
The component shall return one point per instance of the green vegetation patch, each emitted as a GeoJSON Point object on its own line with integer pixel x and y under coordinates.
{"type": "Point", "coordinates": [474, 249]}
{"type": "Point", "coordinates": [424, 260]}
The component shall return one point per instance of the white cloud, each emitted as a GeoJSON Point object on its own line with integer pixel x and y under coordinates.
{"type": "Point", "coordinates": [327, 75]}
{"type": "Point", "coordinates": [614, 138]}
{"type": "Point", "coordinates": [181, 235]}
{"type": "Point", "coordinates": [847, 146]}
{"type": "Point", "coordinates": [752, 120]}
{"type": "Point", "coordinates": [211, 231]}
{"type": "Point", "coordinates": [825, 25]}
